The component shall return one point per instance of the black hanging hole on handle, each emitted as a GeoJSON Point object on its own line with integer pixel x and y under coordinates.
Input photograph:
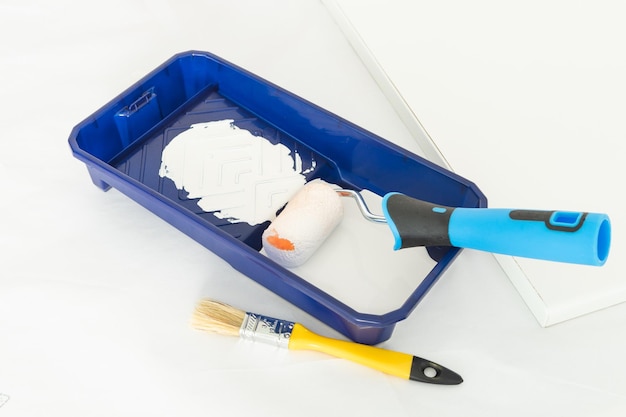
{"type": "Point", "coordinates": [423, 370]}
{"type": "Point", "coordinates": [430, 372]}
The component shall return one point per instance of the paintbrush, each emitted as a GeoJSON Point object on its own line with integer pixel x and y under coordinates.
{"type": "Point", "coordinates": [217, 317]}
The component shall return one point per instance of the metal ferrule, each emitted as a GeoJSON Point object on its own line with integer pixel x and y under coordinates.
{"type": "Point", "coordinates": [258, 328]}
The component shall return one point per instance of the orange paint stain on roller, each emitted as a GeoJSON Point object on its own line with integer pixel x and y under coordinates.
{"type": "Point", "coordinates": [279, 242]}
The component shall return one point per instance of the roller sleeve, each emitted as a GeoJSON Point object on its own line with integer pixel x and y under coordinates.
{"type": "Point", "coordinates": [306, 221]}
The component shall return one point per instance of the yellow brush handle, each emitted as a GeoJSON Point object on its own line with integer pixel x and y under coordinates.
{"type": "Point", "coordinates": [389, 362]}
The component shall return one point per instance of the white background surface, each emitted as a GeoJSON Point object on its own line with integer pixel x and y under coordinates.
{"type": "Point", "coordinates": [526, 99]}
{"type": "Point", "coordinates": [96, 292]}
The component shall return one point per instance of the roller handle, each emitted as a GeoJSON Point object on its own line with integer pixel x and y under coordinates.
{"type": "Point", "coordinates": [562, 236]}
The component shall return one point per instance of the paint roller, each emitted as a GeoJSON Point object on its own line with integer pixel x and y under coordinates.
{"type": "Point", "coordinates": [561, 236]}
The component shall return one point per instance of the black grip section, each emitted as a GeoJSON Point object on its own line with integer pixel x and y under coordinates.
{"type": "Point", "coordinates": [418, 222]}
{"type": "Point", "coordinates": [545, 216]}
{"type": "Point", "coordinates": [423, 370]}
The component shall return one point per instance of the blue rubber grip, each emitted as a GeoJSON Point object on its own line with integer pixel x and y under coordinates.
{"type": "Point", "coordinates": [561, 236]}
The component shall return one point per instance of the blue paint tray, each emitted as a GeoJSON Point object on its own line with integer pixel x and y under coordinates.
{"type": "Point", "coordinates": [122, 143]}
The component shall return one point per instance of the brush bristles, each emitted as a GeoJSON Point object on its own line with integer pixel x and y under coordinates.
{"type": "Point", "coordinates": [217, 317]}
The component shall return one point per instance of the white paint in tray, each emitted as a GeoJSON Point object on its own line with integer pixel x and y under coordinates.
{"type": "Point", "coordinates": [234, 174]}
{"type": "Point", "coordinates": [245, 178]}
